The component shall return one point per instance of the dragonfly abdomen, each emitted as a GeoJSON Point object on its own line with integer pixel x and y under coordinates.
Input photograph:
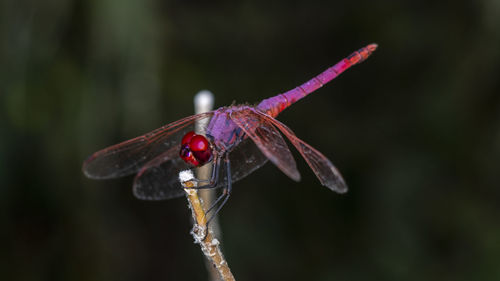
{"type": "Point", "coordinates": [274, 105]}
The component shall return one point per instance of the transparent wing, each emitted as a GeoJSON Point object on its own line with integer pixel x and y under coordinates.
{"type": "Point", "coordinates": [268, 139]}
{"type": "Point", "coordinates": [147, 187]}
{"type": "Point", "coordinates": [245, 158]}
{"type": "Point", "coordinates": [326, 172]}
{"type": "Point", "coordinates": [159, 178]}
{"type": "Point", "coordinates": [129, 157]}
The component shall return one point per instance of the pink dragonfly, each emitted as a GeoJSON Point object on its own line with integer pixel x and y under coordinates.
{"type": "Point", "coordinates": [238, 138]}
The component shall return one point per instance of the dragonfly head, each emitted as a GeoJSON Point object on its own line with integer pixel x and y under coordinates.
{"type": "Point", "coordinates": [195, 149]}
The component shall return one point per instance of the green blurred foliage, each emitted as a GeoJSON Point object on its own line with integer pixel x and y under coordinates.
{"type": "Point", "coordinates": [415, 130]}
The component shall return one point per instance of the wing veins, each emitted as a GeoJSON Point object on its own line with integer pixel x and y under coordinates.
{"type": "Point", "coordinates": [324, 170]}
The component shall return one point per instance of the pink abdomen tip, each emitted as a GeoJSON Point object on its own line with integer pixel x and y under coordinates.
{"type": "Point", "coordinates": [361, 54]}
{"type": "Point", "coordinates": [372, 47]}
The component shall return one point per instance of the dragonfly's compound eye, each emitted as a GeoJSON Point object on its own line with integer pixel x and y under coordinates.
{"type": "Point", "coordinates": [187, 138]}
{"type": "Point", "coordinates": [195, 149]}
{"type": "Point", "coordinates": [188, 156]}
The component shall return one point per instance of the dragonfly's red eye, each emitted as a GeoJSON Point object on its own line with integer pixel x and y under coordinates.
{"type": "Point", "coordinates": [195, 149]}
{"type": "Point", "coordinates": [188, 156]}
{"type": "Point", "coordinates": [187, 138]}
{"type": "Point", "coordinates": [199, 143]}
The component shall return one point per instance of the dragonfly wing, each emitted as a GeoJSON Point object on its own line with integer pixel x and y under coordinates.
{"type": "Point", "coordinates": [128, 157]}
{"type": "Point", "coordinates": [268, 139]}
{"type": "Point", "coordinates": [245, 158]}
{"type": "Point", "coordinates": [326, 172]}
{"type": "Point", "coordinates": [158, 179]}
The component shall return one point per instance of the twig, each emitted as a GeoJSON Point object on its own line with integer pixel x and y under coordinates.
{"type": "Point", "coordinates": [203, 236]}
{"type": "Point", "coordinates": [202, 233]}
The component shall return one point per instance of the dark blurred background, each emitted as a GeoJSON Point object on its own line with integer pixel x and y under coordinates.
{"type": "Point", "coordinates": [415, 130]}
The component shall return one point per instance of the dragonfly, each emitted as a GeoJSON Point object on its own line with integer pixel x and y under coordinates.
{"type": "Point", "coordinates": [236, 140]}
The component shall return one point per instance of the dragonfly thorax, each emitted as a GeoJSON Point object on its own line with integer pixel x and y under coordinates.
{"type": "Point", "coordinates": [223, 132]}
{"type": "Point", "coordinates": [195, 149]}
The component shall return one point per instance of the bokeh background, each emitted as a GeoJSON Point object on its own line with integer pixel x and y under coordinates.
{"type": "Point", "coordinates": [415, 130]}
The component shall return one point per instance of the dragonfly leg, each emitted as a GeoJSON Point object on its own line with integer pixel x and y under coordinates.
{"type": "Point", "coordinates": [225, 193]}
{"type": "Point", "coordinates": [214, 178]}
